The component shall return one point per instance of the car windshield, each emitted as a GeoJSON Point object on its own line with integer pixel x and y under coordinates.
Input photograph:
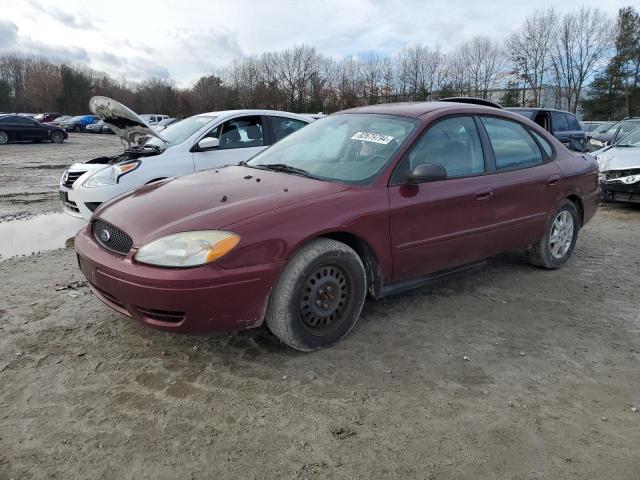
{"type": "Point", "coordinates": [612, 128]}
{"type": "Point", "coordinates": [632, 139]}
{"type": "Point", "coordinates": [349, 148]}
{"type": "Point", "coordinates": [75, 119]}
{"type": "Point", "coordinates": [603, 127]}
{"type": "Point", "coordinates": [178, 132]}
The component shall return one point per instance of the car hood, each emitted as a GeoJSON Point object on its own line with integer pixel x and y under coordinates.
{"type": "Point", "coordinates": [615, 158]}
{"type": "Point", "coordinates": [123, 121]}
{"type": "Point", "coordinates": [208, 200]}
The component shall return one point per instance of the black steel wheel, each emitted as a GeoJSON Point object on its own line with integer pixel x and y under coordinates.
{"type": "Point", "coordinates": [318, 297]}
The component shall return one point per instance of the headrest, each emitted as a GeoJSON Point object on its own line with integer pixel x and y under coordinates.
{"type": "Point", "coordinates": [254, 132]}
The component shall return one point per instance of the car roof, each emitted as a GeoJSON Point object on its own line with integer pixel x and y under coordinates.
{"type": "Point", "coordinates": [229, 113]}
{"type": "Point", "coordinates": [417, 109]}
{"type": "Point", "coordinates": [537, 109]}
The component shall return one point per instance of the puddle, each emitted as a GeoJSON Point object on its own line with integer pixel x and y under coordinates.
{"type": "Point", "coordinates": [37, 234]}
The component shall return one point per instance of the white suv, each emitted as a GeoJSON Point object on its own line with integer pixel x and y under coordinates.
{"type": "Point", "coordinates": [207, 140]}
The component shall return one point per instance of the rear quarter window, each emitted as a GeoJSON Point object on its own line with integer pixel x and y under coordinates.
{"type": "Point", "coordinates": [546, 146]}
{"type": "Point", "coordinates": [512, 145]}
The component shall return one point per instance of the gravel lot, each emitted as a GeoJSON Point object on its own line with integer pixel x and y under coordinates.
{"type": "Point", "coordinates": [510, 372]}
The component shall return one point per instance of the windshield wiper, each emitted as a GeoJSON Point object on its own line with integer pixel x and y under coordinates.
{"type": "Point", "coordinates": [283, 167]}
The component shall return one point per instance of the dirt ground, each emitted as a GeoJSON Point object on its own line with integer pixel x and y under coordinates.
{"type": "Point", "coordinates": [510, 372]}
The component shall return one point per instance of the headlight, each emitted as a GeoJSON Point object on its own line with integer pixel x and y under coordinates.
{"type": "Point", "coordinates": [595, 142]}
{"type": "Point", "coordinates": [110, 175]}
{"type": "Point", "coordinates": [187, 249]}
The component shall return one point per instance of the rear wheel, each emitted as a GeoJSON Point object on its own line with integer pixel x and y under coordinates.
{"type": "Point", "coordinates": [318, 297]}
{"type": "Point", "coordinates": [57, 137]}
{"type": "Point", "coordinates": [77, 129]}
{"type": "Point", "coordinates": [4, 138]}
{"type": "Point", "coordinates": [555, 248]}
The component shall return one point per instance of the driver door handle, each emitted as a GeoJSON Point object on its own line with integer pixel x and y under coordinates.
{"type": "Point", "coordinates": [484, 194]}
{"type": "Point", "coordinates": [553, 180]}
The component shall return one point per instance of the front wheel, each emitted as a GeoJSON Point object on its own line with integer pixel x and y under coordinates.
{"type": "Point", "coordinates": [77, 129]}
{"type": "Point", "coordinates": [57, 137]}
{"type": "Point", "coordinates": [555, 248]}
{"type": "Point", "coordinates": [4, 138]}
{"type": "Point", "coordinates": [319, 296]}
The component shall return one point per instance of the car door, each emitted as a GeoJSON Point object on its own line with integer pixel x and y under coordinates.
{"type": "Point", "coordinates": [577, 137]}
{"type": "Point", "coordinates": [443, 224]}
{"type": "Point", "coordinates": [560, 128]}
{"type": "Point", "coordinates": [525, 178]}
{"type": "Point", "coordinates": [240, 139]}
{"type": "Point", "coordinates": [27, 129]}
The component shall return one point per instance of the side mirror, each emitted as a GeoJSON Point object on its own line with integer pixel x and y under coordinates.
{"type": "Point", "coordinates": [208, 143]}
{"type": "Point", "coordinates": [427, 172]}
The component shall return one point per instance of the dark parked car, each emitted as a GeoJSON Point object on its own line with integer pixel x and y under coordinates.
{"type": "Point", "coordinates": [612, 134]}
{"type": "Point", "coordinates": [79, 123]}
{"type": "Point", "coordinates": [15, 128]}
{"type": "Point", "coordinates": [563, 125]}
{"type": "Point", "coordinates": [373, 200]}
{"type": "Point", "coordinates": [47, 117]}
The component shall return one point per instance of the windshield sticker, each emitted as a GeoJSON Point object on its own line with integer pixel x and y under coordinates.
{"type": "Point", "coordinates": [372, 137]}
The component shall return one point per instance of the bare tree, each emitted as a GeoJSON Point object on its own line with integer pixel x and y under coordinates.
{"type": "Point", "coordinates": [583, 40]}
{"type": "Point", "coordinates": [481, 61]}
{"type": "Point", "coordinates": [529, 50]}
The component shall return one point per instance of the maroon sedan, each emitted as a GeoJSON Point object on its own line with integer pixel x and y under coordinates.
{"type": "Point", "coordinates": [372, 200]}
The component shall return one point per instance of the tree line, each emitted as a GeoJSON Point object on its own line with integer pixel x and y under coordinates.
{"type": "Point", "coordinates": [584, 59]}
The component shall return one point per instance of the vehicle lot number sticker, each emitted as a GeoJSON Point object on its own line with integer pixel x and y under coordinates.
{"type": "Point", "coordinates": [372, 137]}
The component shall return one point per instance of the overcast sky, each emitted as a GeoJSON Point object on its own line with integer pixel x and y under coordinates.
{"type": "Point", "coordinates": [184, 39]}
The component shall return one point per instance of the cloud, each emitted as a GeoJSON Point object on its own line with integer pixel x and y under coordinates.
{"type": "Point", "coordinates": [135, 68]}
{"type": "Point", "coordinates": [8, 33]}
{"type": "Point", "coordinates": [70, 20]}
{"type": "Point", "coordinates": [11, 42]}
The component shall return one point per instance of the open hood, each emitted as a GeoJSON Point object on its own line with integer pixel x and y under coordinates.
{"type": "Point", "coordinates": [615, 158]}
{"type": "Point", "coordinates": [123, 121]}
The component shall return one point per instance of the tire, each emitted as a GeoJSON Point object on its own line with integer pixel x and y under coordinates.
{"type": "Point", "coordinates": [77, 128]}
{"type": "Point", "coordinates": [4, 138]}
{"type": "Point", "coordinates": [57, 137]}
{"type": "Point", "coordinates": [555, 248]}
{"type": "Point", "coordinates": [319, 296]}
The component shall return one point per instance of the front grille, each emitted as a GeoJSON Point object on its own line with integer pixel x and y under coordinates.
{"type": "Point", "coordinates": [73, 206]}
{"type": "Point", "coordinates": [72, 176]}
{"type": "Point", "coordinates": [626, 197]}
{"type": "Point", "coordinates": [111, 237]}
{"type": "Point", "coordinates": [162, 315]}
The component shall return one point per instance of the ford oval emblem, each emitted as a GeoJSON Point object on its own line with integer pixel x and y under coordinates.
{"type": "Point", "coordinates": [105, 236]}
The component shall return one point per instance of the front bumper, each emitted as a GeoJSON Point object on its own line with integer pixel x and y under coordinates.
{"type": "Point", "coordinates": [620, 192]}
{"type": "Point", "coordinates": [195, 300]}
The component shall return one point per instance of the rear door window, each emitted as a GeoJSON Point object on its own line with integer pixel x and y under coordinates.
{"type": "Point", "coordinates": [454, 144]}
{"type": "Point", "coordinates": [283, 126]}
{"type": "Point", "coordinates": [512, 145]}
{"type": "Point", "coordinates": [546, 146]}
{"type": "Point", "coordinates": [242, 132]}
{"type": "Point", "coordinates": [559, 122]}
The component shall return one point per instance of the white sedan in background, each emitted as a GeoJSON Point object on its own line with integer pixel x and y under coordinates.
{"type": "Point", "coordinates": [207, 140]}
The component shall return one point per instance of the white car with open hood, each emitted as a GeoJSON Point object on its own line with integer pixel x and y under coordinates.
{"type": "Point", "coordinates": [207, 140]}
{"type": "Point", "coordinates": [619, 166]}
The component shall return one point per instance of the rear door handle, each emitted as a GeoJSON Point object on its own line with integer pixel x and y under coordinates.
{"type": "Point", "coordinates": [553, 180]}
{"type": "Point", "coordinates": [484, 194]}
